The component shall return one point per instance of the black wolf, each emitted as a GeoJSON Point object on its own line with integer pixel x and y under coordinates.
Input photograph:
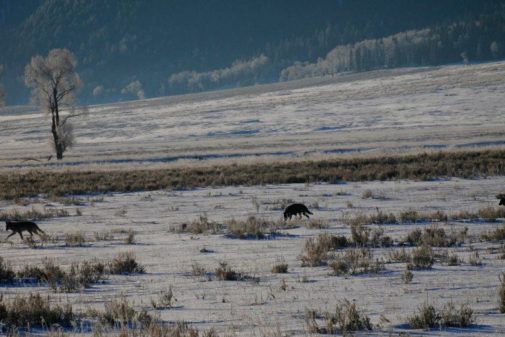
{"type": "Point", "coordinates": [20, 226]}
{"type": "Point", "coordinates": [502, 198]}
{"type": "Point", "coordinates": [295, 209]}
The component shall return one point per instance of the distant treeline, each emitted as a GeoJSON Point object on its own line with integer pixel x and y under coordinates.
{"type": "Point", "coordinates": [464, 41]}
{"type": "Point", "coordinates": [134, 49]}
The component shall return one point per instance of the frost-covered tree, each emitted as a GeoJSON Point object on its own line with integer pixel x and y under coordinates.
{"type": "Point", "coordinates": [54, 82]}
{"type": "Point", "coordinates": [134, 88]}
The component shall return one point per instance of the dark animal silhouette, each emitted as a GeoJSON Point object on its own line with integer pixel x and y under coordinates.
{"type": "Point", "coordinates": [502, 199]}
{"type": "Point", "coordinates": [21, 226]}
{"type": "Point", "coordinates": [295, 209]}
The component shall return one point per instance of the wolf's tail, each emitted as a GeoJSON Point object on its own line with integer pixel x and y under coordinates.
{"type": "Point", "coordinates": [309, 212]}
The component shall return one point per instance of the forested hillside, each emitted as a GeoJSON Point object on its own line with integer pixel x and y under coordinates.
{"type": "Point", "coordinates": [135, 49]}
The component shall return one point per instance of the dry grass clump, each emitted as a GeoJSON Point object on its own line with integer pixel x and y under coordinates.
{"type": "Point", "coordinates": [104, 236]}
{"type": "Point", "coordinates": [33, 214]}
{"type": "Point", "coordinates": [435, 236]}
{"type": "Point", "coordinates": [355, 261]}
{"type": "Point", "coordinates": [450, 259]}
{"type": "Point", "coordinates": [125, 263]}
{"type": "Point", "coordinates": [495, 235]}
{"type": "Point", "coordinates": [7, 275]}
{"type": "Point", "coordinates": [316, 249]}
{"type": "Point", "coordinates": [422, 258]}
{"type": "Point", "coordinates": [382, 218]}
{"type": "Point", "coordinates": [501, 293]}
{"type": "Point", "coordinates": [363, 236]}
{"type": "Point", "coordinates": [166, 299]}
{"type": "Point", "coordinates": [226, 273]}
{"type": "Point", "coordinates": [369, 194]}
{"type": "Point", "coordinates": [80, 275]}
{"type": "Point", "coordinates": [399, 255]}
{"type": "Point", "coordinates": [130, 237]}
{"type": "Point", "coordinates": [281, 267]}
{"type": "Point", "coordinates": [119, 312]}
{"type": "Point", "coordinates": [198, 270]}
{"type": "Point", "coordinates": [34, 311]}
{"type": "Point", "coordinates": [486, 214]}
{"type": "Point", "coordinates": [429, 317]}
{"type": "Point", "coordinates": [420, 166]}
{"type": "Point", "coordinates": [89, 272]}
{"type": "Point", "coordinates": [48, 272]}
{"type": "Point", "coordinates": [202, 225]}
{"type": "Point", "coordinates": [407, 276]}
{"type": "Point", "coordinates": [411, 216]}
{"type": "Point", "coordinates": [317, 224]}
{"type": "Point", "coordinates": [474, 259]}
{"type": "Point", "coordinates": [346, 319]}
{"type": "Point", "coordinates": [252, 228]}
{"type": "Point", "coordinates": [76, 239]}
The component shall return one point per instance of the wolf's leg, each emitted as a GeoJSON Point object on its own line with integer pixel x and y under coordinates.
{"type": "Point", "coordinates": [41, 233]}
{"type": "Point", "coordinates": [21, 235]}
{"type": "Point", "coordinates": [11, 234]}
{"type": "Point", "coordinates": [308, 217]}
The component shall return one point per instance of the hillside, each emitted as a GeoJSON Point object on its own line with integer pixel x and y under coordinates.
{"type": "Point", "coordinates": [127, 49]}
{"type": "Point", "coordinates": [387, 111]}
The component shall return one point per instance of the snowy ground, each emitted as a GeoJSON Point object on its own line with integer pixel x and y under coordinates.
{"type": "Point", "coordinates": [394, 111]}
{"type": "Point", "coordinates": [385, 111]}
{"type": "Point", "coordinates": [247, 308]}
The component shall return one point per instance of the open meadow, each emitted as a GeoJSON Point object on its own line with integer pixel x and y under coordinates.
{"type": "Point", "coordinates": [196, 241]}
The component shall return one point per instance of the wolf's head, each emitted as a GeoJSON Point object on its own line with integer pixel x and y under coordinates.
{"type": "Point", "coordinates": [285, 215]}
{"type": "Point", "coordinates": [502, 201]}
{"type": "Point", "coordinates": [8, 225]}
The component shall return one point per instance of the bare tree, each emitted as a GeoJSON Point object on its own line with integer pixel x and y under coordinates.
{"type": "Point", "coordinates": [54, 82]}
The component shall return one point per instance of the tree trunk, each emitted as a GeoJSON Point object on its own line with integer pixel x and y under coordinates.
{"type": "Point", "coordinates": [56, 137]}
{"type": "Point", "coordinates": [58, 146]}
{"type": "Point", "coordinates": [57, 142]}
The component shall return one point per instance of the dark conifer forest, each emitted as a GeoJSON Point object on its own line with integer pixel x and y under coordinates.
{"type": "Point", "coordinates": [130, 49]}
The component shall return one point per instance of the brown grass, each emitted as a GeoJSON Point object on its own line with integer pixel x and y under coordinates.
{"type": "Point", "coordinates": [34, 311]}
{"type": "Point", "coordinates": [422, 166]}
{"type": "Point", "coordinates": [7, 275]}
{"type": "Point", "coordinates": [422, 258]}
{"type": "Point", "coordinates": [429, 317]}
{"type": "Point", "coordinates": [355, 262]}
{"type": "Point", "coordinates": [344, 320]}
{"type": "Point", "coordinates": [316, 250]}
{"type": "Point", "coordinates": [125, 263]}
{"type": "Point", "coordinates": [33, 214]}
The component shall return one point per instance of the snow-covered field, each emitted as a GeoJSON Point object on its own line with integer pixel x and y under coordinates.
{"type": "Point", "coordinates": [244, 307]}
{"type": "Point", "coordinates": [385, 111]}
{"type": "Point", "coordinates": [394, 111]}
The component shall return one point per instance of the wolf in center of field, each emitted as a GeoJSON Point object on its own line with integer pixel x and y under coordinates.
{"type": "Point", "coordinates": [295, 209]}
{"type": "Point", "coordinates": [21, 226]}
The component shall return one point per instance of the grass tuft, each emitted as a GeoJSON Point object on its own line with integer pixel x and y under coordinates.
{"type": "Point", "coordinates": [34, 311]}
{"type": "Point", "coordinates": [346, 319]}
{"type": "Point", "coordinates": [429, 317]}
{"type": "Point", "coordinates": [125, 263]}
